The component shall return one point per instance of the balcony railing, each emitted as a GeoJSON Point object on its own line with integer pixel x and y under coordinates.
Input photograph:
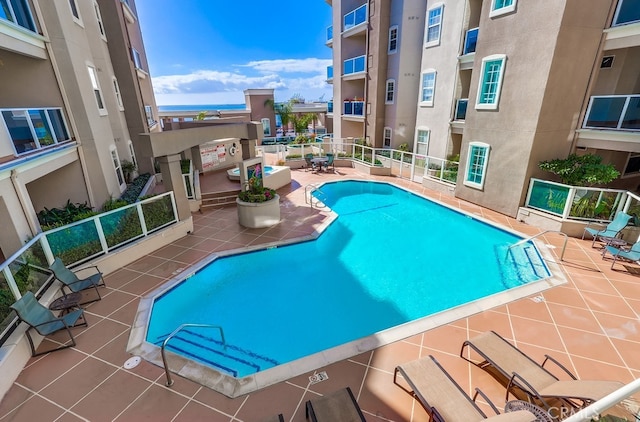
{"type": "Point", "coordinates": [470, 41]}
{"type": "Point", "coordinates": [354, 65]}
{"type": "Point", "coordinates": [461, 109]}
{"type": "Point", "coordinates": [355, 17]}
{"type": "Point", "coordinates": [330, 107]}
{"type": "Point", "coordinates": [329, 34]}
{"type": "Point", "coordinates": [618, 112]}
{"type": "Point", "coordinates": [353, 108]}
{"type": "Point", "coordinates": [626, 12]}
{"type": "Point", "coordinates": [329, 72]}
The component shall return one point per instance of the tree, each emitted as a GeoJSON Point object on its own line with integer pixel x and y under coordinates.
{"type": "Point", "coordinates": [200, 116]}
{"type": "Point", "coordinates": [583, 170]}
{"type": "Point", "coordinates": [301, 122]}
{"type": "Point", "coordinates": [284, 110]}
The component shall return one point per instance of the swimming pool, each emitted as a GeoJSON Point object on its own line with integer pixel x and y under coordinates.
{"type": "Point", "coordinates": [372, 269]}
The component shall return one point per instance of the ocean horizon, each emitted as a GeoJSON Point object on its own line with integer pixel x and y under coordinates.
{"type": "Point", "coordinates": [202, 107]}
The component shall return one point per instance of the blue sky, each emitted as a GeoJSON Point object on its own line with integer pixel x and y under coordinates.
{"type": "Point", "coordinates": [208, 52]}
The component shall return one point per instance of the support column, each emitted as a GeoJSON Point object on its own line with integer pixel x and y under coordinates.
{"type": "Point", "coordinates": [196, 158]}
{"type": "Point", "coordinates": [172, 180]}
{"type": "Point", "coordinates": [248, 148]}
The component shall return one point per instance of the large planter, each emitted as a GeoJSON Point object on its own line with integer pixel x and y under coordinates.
{"type": "Point", "coordinates": [255, 215]}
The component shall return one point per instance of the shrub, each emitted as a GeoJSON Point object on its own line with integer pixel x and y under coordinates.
{"type": "Point", "coordinates": [583, 170]}
{"type": "Point", "coordinates": [131, 194]}
{"type": "Point", "coordinates": [56, 217]}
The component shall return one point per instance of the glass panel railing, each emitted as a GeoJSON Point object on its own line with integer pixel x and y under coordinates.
{"type": "Point", "coordinates": [329, 72]}
{"type": "Point", "coordinates": [594, 204]}
{"type": "Point", "coordinates": [354, 108]}
{"type": "Point", "coordinates": [158, 212]}
{"type": "Point", "coordinates": [75, 243]}
{"type": "Point", "coordinates": [330, 33]}
{"type": "Point", "coordinates": [330, 107]}
{"type": "Point", "coordinates": [614, 112]}
{"type": "Point", "coordinates": [461, 108]}
{"type": "Point", "coordinates": [121, 226]}
{"type": "Point", "coordinates": [470, 41]}
{"type": "Point", "coordinates": [548, 196]}
{"type": "Point", "coordinates": [355, 17]}
{"type": "Point", "coordinates": [354, 65]}
{"type": "Point", "coordinates": [628, 11]}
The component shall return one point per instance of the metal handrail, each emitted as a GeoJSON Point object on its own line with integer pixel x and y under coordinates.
{"type": "Point", "coordinates": [564, 246]}
{"type": "Point", "coordinates": [308, 193]}
{"type": "Point", "coordinates": [176, 331]}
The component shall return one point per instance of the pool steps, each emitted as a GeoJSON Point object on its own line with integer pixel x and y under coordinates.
{"type": "Point", "coordinates": [230, 359]}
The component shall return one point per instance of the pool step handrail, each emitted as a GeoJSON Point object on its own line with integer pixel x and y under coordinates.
{"type": "Point", "coordinates": [308, 194]}
{"type": "Point", "coordinates": [169, 382]}
{"type": "Point", "coordinates": [523, 241]}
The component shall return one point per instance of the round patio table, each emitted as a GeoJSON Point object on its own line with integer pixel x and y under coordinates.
{"type": "Point", "coordinates": [540, 414]}
{"type": "Point", "coordinates": [66, 303]}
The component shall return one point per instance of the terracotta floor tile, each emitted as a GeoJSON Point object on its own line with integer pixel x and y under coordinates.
{"type": "Point", "coordinates": [218, 401]}
{"type": "Point", "coordinates": [380, 396]}
{"type": "Point", "coordinates": [447, 339]}
{"type": "Point", "coordinates": [47, 368]}
{"type": "Point", "coordinates": [535, 332]}
{"type": "Point", "coordinates": [607, 303]}
{"type": "Point", "coordinates": [145, 264]}
{"type": "Point", "coordinates": [589, 345]}
{"type": "Point", "coordinates": [386, 357]}
{"type": "Point", "coordinates": [35, 409]}
{"type": "Point", "coordinates": [169, 251]}
{"type": "Point", "coordinates": [530, 309]}
{"type": "Point", "coordinates": [117, 299]}
{"type": "Point", "coordinates": [279, 398]}
{"type": "Point", "coordinates": [143, 284]}
{"type": "Point", "coordinates": [98, 335]}
{"type": "Point", "coordinates": [120, 277]}
{"type": "Point", "coordinates": [579, 318]}
{"type": "Point", "coordinates": [194, 412]}
{"type": "Point", "coordinates": [155, 404]}
{"type": "Point", "coordinates": [617, 327]}
{"type": "Point", "coordinates": [14, 398]}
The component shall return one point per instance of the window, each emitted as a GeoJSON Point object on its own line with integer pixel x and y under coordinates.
{"type": "Point", "coordinates": [500, 7]}
{"type": "Point", "coordinates": [428, 88]}
{"type": "Point", "coordinates": [476, 165]}
{"type": "Point", "coordinates": [137, 60]}
{"type": "Point", "coordinates": [393, 39]}
{"type": "Point", "coordinates": [422, 141]}
{"type": "Point", "coordinates": [627, 11]}
{"type": "Point", "coordinates": [434, 25]}
{"type": "Point", "coordinates": [18, 12]}
{"type": "Point", "coordinates": [74, 10]}
{"type": "Point", "coordinates": [391, 90]}
{"type": "Point", "coordinates": [117, 167]}
{"type": "Point", "coordinates": [386, 137]}
{"type": "Point", "coordinates": [116, 91]}
{"type": "Point", "coordinates": [132, 152]}
{"type": "Point", "coordinates": [99, 19]}
{"type": "Point", "coordinates": [490, 82]}
{"type": "Point", "coordinates": [33, 129]}
{"type": "Point", "coordinates": [266, 127]}
{"type": "Point", "coordinates": [148, 110]}
{"type": "Point", "coordinates": [96, 89]}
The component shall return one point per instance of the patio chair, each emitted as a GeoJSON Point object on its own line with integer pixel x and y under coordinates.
{"type": "Point", "coordinates": [523, 374]}
{"type": "Point", "coordinates": [632, 254]}
{"type": "Point", "coordinates": [443, 398]}
{"type": "Point", "coordinates": [41, 319]}
{"type": "Point", "coordinates": [276, 418]}
{"type": "Point", "coordinates": [308, 163]}
{"type": "Point", "coordinates": [329, 162]}
{"type": "Point", "coordinates": [612, 229]}
{"type": "Point", "coordinates": [70, 280]}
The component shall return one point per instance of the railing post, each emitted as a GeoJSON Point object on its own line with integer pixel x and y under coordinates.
{"type": "Point", "coordinates": [103, 240]}
{"type": "Point", "coordinates": [143, 223]}
{"type": "Point", "coordinates": [11, 282]}
{"type": "Point", "coordinates": [568, 202]}
{"type": "Point", "coordinates": [46, 248]}
{"type": "Point", "coordinates": [173, 205]}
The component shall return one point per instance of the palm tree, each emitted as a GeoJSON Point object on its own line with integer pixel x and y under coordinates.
{"type": "Point", "coordinates": [284, 110]}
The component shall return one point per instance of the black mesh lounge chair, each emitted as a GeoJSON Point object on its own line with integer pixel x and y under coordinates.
{"type": "Point", "coordinates": [70, 280]}
{"type": "Point", "coordinates": [41, 319]}
{"type": "Point", "coordinates": [523, 374]}
{"type": "Point", "coordinates": [442, 397]}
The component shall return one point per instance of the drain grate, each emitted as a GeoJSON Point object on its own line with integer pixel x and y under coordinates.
{"type": "Point", "coordinates": [132, 362]}
{"type": "Point", "coordinates": [318, 377]}
{"type": "Point", "coordinates": [537, 299]}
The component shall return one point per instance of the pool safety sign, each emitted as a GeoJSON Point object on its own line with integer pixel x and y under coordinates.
{"type": "Point", "coordinates": [212, 156]}
{"type": "Point", "coordinates": [318, 377]}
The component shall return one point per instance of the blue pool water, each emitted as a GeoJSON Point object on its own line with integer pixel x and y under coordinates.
{"type": "Point", "coordinates": [267, 170]}
{"type": "Point", "coordinates": [389, 258]}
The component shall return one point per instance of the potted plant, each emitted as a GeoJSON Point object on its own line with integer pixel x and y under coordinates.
{"type": "Point", "coordinates": [258, 206]}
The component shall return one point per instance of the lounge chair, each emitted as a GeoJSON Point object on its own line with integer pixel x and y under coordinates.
{"type": "Point", "coordinates": [522, 373]}
{"type": "Point", "coordinates": [70, 280]}
{"type": "Point", "coordinates": [612, 229]}
{"type": "Point", "coordinates": [276, 418]}
{"type": "Point", "coordinates": [632, 254]}
{"type": "Point", "coordinates": [308, 163]}
{"type": "Point", "coordinates": [442, 397]}
{"type": "Point", "coordinates": [329, 162]}
{"type": "Point", "coordinates": [41, 319]}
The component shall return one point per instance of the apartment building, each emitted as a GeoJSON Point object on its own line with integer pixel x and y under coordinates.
{"type": "Point", "coordinates": [63, 130]}
{"type": "Point", "coordinates": [376, 69]}
{"type": "Point", "coordinates": [507, 84]}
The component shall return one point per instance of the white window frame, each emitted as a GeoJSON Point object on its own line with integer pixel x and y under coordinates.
{"type": "Point", "coordinates": [24, 12]}
{"type": "Point", "coordinates": [390, 91]}
{"type": "Point", "coordinates": [117, 167]}
{"type": "Point", "coordinates": [137, 59]}
{"type": "Point", "coordinates": [393, 37]}
{"type": "Point", "coordinates": [116, 91]}
{"type": "Point", "coordinates": [151, 121]}
{"type": "Point", "coordinates": [387, 137]}
{"type": "Point", "coordinates": [73, 5]}
{"type": "Point", "coordinates": [483, 80]}
{"type": "Point", "coordinates": [427, 102]}
{"type": "Point", "coordinates": [266, 126]}
{"type": "Point", "coordinates": [132, 152]}
{"type": "Point", "coordinates": [59, 134]}
{"type": "Point", "coordinates": [95, 84]}
{"type": "Point", "coordinates": [417, 142]}
{"type": "Point", "coordinates": [502, 10]}
{"type": "Point", "coordinates": [429, 25]}
{"type": "Point", "coordinates": [626, 174]}
{"type": "Point", "coordinates": [101, 29]}
{"type": "Point", "coordinates": [483, 172]}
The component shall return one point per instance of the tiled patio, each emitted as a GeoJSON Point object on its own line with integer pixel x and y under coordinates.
{"type": "Point", "coordinates": [590, 324]}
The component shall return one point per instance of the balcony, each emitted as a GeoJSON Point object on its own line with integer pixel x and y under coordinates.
{"type": "Point", "coordinates": [354, 67]}
{"type": "Point", "coordinates": [355, 19]}
{"type": "Point", "coordinates": [353, 109]}
{"type": "Point", "coordinates": [329, 40]}
{"type": "Point", "coordinates": [461, 109]}
{"type": "Point", "coordinates": [330, 107]}
{"type": "Point", "coordinates": [613, 112]}
{"type": "Point", "coordinates": [18, 32]}
{"type": "Point", "coordinates": [329, 74]}
{"type": "Point", "coordinates": [470, 41]}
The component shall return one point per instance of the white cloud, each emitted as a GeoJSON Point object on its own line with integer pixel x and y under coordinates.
{"type": "Point", "coordinates": [310, 65]}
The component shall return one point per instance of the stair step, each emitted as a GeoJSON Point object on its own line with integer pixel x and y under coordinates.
{"type": "Point", "coordinates": [222, 194]}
